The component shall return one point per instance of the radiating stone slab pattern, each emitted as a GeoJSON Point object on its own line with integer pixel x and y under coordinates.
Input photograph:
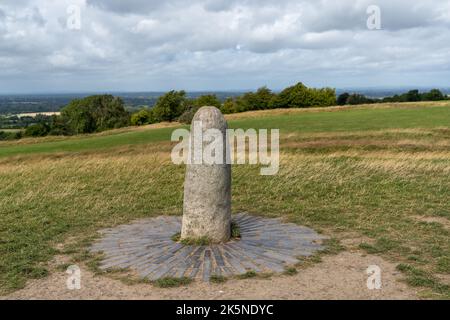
{"type": "Point", "coordinates": [146, 247]}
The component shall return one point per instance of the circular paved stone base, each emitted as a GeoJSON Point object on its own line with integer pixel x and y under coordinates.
{"type": "Point", "coordinates": [266, 245]}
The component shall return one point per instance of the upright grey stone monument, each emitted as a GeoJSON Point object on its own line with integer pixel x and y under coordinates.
{"type": "Point", "coordinates": [207, 187]}
{"type": "Point", "coordinates": [150, 248]}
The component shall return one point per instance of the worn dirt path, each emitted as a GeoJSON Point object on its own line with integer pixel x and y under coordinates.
{"type": "Point", "coordinates": [337, 277]}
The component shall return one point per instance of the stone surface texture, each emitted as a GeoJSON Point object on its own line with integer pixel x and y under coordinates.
{"type": "Point", "coordinates": [146, 247]}
{"type": "Point", "coordinates": [207, 188]}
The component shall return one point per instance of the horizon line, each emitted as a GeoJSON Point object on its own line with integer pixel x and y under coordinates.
{"type": "Point", "coordinates": [400, 87]}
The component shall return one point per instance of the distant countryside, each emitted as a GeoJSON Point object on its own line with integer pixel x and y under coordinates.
{"type": "Point", "coordinates": [41, 115]}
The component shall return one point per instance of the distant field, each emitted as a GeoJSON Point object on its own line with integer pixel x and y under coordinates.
{"type": "Point", "coordinates": [34, 114]}
{"type": "Point", "coordinates": [379, 175]}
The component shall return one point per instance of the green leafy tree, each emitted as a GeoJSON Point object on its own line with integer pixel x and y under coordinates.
{"type": "Point", "coordinates": [192, 106]}
{"type": "Point", "coordinates": [170, 106]}
{"type": "Point", "coordinates": [78, 117]}
{"type": "Point", "coordinates": [299, 96]}
{"type": "Point", "coordinates": [413, 95]}
{"type": "Point", "coordinates": [263, 97]}
{"type": "Point", "coordinates": [210, 100]}
{"type": "Point", "coordinates": [258, 100]}
{"type": "Point", "coordinates": [323, 97]}
{"type": "Point", "coordinates": [356, 98]}
{"type": "Point", "coordinates": [58, 127]}
{"type": "Point", "coordinates": [433, 95]}
{"type": "Point", "coordinates": [188, 115]}
{"type": "Point", "coordinates": [5, 136]}
{"type": "Point", "coordinates": [291, 97]}
{"type": "Point", "coordinates": [229, 106]}
{"type": "Point", "coordinates": [342, 99]}
{"type": "Point", "coordinates": [142, 117]}
{"type": "Point", "coordinates": [95, 113]}
{"type": "Point", "coordinates": [37, 130]}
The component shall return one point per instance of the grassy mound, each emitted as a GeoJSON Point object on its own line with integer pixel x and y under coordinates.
{"type": "Point", "coordinates": [370, 171]}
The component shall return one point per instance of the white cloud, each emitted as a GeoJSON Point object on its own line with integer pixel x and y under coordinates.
{"type": "Point", "coordinates": [59, 59]}
{"type": "Point", "coordinates": [221, 44]}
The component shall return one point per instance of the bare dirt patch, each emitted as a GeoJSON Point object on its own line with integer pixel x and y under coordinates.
{"type": "Point", "coordinates": [337, 277]}
{"type": "Point", "coordinates": [440, 220]}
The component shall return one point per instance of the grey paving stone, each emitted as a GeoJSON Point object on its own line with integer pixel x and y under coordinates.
{"type": "Point", "coordinates": [146, 247]}
{"type": "Point", "coordinates": [207, 265]}
{"type": "Point", "coordinates": [246, 261]}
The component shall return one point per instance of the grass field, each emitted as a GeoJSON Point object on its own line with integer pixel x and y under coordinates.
{"type": "Point", "coordinates": [379, 173]}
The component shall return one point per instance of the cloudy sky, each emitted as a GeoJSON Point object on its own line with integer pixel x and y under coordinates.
{"type": "Point", "coordinates": [152, 45]}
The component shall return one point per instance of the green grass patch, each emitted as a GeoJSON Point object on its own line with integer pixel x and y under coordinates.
{"type": "Point", "coordinates": [332, 246]}
{"type": "Point", "coordinates": [170, 282]}
{"type": "Point", "coordinates": [202, 241]}
{"type": "Point", "coordinates": [291, 271]}
{"type": "Point", "coordinates": [415, 258]}
{"type": "Point", "coordinates": [382, 245]}
{"type": "Point", "coordinates": [176, 237]}
{"type": "Point", "coordinates": [217, 279]}
{"type": "Point", "coordinates": [88, 142]}
{"type": "Point", "coordinates": [419, 278]}
{"type": "Point", "coordinates": [358, 119]}
{"type": "Point", "coordinates": [443, 265]}
{"type": "Point", "coordinates": [235, 230]}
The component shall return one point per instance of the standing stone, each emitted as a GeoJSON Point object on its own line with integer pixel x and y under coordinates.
{"type": "Point", "coordinates": [207, 186]}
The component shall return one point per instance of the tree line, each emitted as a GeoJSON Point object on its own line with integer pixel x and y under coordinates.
{"type": "Point", "coordinates": [410, 96]}
{"type": "Point", "coordinates": [103, 112]}
{"type": "Point", "coordinates": [175, 105]}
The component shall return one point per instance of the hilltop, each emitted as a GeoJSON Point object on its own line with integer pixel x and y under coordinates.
{"type": "Point", "coordinates": [372, 178]}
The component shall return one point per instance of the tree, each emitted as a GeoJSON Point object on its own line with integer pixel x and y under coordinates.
{"type": "Point", "coordinates": [95, 113]}
{"type": "Point", "coordinates": [4, 135]}
{"type": "Point", "coordinates": [229, 106]}
{"type": "Point", "coordinates": [342, 99]}
{"type": "Point", "coordinates": [258, 100]}
{"type": "Point", "coordinates": [170, 106]}
{"type": "Point", "coordinates": [78, 117]}
{"type": "Point", "coordinates": [188, 115]}
{"type": "Point", "coordinates": [263, 97]}
{"type": "Point", "coordinates": [37, 130]}
{"type": "Point", "coordinates": [413, 95]}
{"type": "Point", "coordinates": [433, 95]}
{"type": "Point", "coordinates": [58, 127]}
{"type": "Point", "coordinates": [299, 96]}
{"type": "Point", "coordinates": [191, 106]}
{"type": "Point", "coordinates": [291, 97]}
{"type": "Point", "coordinates": [144, 116]}
{"type": "Point", "coordinates": [323, 97]}
{"type": "Point", "coordinates": [209, 100]}
{"type": "Point", "coordinates": [356, 98]}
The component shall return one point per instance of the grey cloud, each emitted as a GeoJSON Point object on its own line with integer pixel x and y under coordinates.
{"type": "Point", "coordinates": [218, 5]}
{"type": "Point", "coordinates": [159, 45]}
{"type": "Point", "coordinates": [129, 6]}
{"type": "Point", "coordinates": [37, 17]}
